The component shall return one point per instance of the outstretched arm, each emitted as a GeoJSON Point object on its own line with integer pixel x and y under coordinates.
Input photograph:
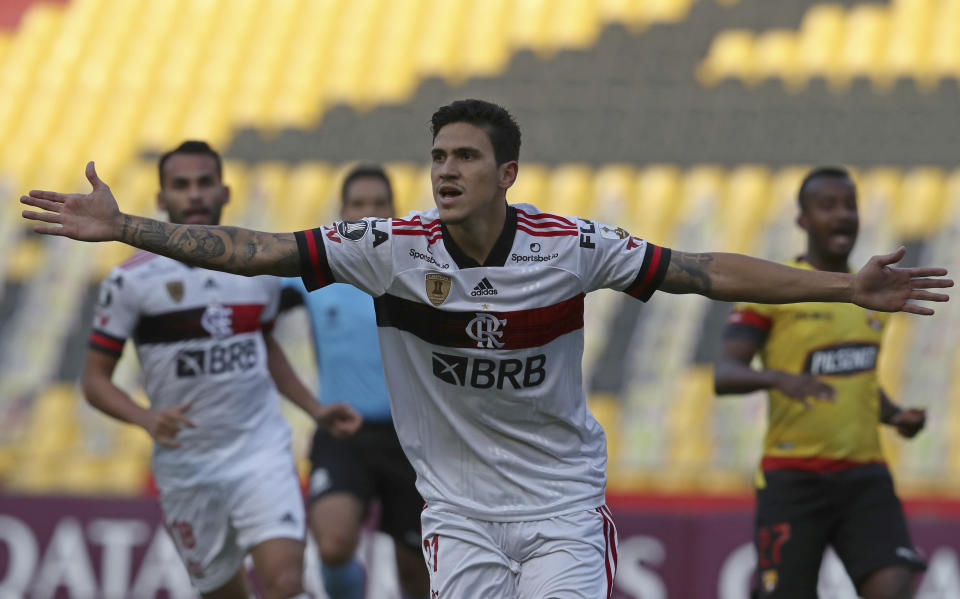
{"type": "Point", "coordinates": [230, 249]}
{"type": "Point", "coordinates": [734, 277]}
{"type": "Point", "coordinates": [96, 217]}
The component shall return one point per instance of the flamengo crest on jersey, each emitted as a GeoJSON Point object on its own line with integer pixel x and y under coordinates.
{"type": "Point", "coordinates": [198, 335]}
{"type": "Point", "coordinates": [483, 361]}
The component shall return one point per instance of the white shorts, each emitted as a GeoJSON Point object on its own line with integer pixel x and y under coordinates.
{"type": "Point", "coordinates": [214, 525]}
{"type": "Point", "coordinates": [573, 556]}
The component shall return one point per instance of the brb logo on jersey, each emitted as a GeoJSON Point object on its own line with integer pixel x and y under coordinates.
{"type": "Point", "coordinates": [485, 330]}
{"type": "Point", "coordinates": [481, 373]}
{"type": "Point", "coordinates": [217, 320]}
{"type": "Point", "coordinates": [233, 357]}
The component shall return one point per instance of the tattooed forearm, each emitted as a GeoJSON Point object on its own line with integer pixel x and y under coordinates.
{"type": "Point", "coordinates": [229, 249]}
{"type": "Point", "coordinates": [688, 273]}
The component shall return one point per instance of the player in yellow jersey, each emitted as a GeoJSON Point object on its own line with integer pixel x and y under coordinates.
{"type": "Point", "coordinates": [822, 480]}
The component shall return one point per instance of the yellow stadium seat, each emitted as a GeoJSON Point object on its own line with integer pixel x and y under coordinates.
{"type": "Point", "coordinates": [776, 56]}
{"type": "Point", "coordinates": [896, 341]}
{"type": "Point", "coordinates": [122, 475]}
{"type": "Point", "coordinates": [820, 39]}
{"type": "Point", "coordinates": [36, 475]}
{"type": "Point", "coordinates": [10, 457]}
{"type": "Point", "coordinates": [615, 188]}
{"type": "Point", "coordinates": [83, 474]}
{"type": "Point", "coordinates": [407, 183]}
{"type": "Point", "coordinates": [528, 25]}
{"type": "Point", "coordinates": [731, 56]}
{"type": "Point", "coordinates": [311, 198]}
{"type": "Point", "coordinates": [908, 40]}
{"type": "Point", "coordinates": [658, 204]}
{"type": "Point", "coordinates": [109, 256]}
{"type": "Point", "coordinates": [424, 193]}
{"type": "Point", "coordinates": [704, 187]}
{"type": "Point", "coordinates": [865, 34]}
{"type": "Point", "coordinates": [347, 81]}
{"type": "Point", "coordinates": [880, 189]}
{"type": "Point", "coordinates": [920, 208]}
{"type": "Point", "coordinates": [945, 43]}
{"type": "Point", "coordinates": [133, 441]}
{"type": "Point", "coordinates": [531, 186]}
{"type": "Point", "coordinates": [27, 257]}
{"type": "Point", "coordinates": [393, 72]}
{"type": "Point", "coordinates": [485, 49]}
{"type": "Point", "coordinates": [305, 76]}
{"type": "Point", "coordinates": [268, 194]}
{"type": "Point", "coordinates": [56, 404]}
{"type": "Point", "coordinates": [439, 52]}
{"type": "Point", "coordinates": [570, 190]}
{"type": "Point", "coordinates": [606, 409]}
{"type": "Point", "coordinates": [627, 12]}
{"type": "Point", "coordinates": [573, 24]}
{"type": "Point", "coordinates": [236, 177]}
{"type": "Point", "coordinates": [952, 195]}
{"type": "Point", "coordinates": [665, 11]}
{"type": "Point", "coordinates": [784, 188]}
{"type": "Point", "coordinates": [748, 203]}
{"type": "Point", "coordinates": [690, 438]}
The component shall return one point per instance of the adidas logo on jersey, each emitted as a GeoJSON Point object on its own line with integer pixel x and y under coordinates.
{"type": "Point", "coordinates": [484, 287]}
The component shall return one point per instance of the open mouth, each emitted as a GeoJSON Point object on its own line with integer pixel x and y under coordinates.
{"type": "Point", "coordinates": [449, 192]}
{"type": "Point", "coordinates": [844, 234]}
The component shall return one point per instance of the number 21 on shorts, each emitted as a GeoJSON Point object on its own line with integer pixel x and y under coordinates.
{"type": "Point", "coordinates": [431, 546]}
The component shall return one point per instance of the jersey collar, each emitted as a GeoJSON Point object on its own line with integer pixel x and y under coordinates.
{"type": "Point", "coordinates": [501, 249]}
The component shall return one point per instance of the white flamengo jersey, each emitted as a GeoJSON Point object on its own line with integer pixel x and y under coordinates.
{"type": "Point", "coordinates": [199, 338]}
{"type": "Point", "coordinates": [483, 362]}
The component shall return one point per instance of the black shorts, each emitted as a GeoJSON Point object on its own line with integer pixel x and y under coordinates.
{"type": "Point", "coordinates": [800, 513]}
{"type": "Point", "coordinates": [370, 465]}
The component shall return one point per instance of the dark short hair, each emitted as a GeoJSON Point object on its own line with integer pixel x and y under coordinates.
{"type": "Point", "coordinates": [499, 124]}
{"type": "Point", "coordinates": [192, 146]}
{"type": "Point", "coordinates": [365, 171]}
{"type": "Point", "coordinates": [821, 172]}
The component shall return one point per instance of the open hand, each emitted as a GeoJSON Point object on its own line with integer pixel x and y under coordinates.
{"type": "Point", "coordinates": [163, 425]}
{"type": "Point", "coordinates": [87, 217]}
{"type": "Point", "coordinates": [909, 422]}
{"type": "Point", "coordinates": [339, 419]}
{"type": "Point", "coordinates": [881, 286]}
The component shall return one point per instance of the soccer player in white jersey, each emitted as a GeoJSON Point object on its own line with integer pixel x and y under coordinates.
{"type": "Point", "coordinates": [222, 457]}
{"type": "Point", "coordinates": [480, 310]}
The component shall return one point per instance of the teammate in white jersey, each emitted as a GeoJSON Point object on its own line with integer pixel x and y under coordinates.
{"type": "Point", "coordinates": [479, 305]}
{"type": "Point", "coordinates": [222, 458]}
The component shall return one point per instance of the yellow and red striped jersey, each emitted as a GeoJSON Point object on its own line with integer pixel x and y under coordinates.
{"type": "Point", "coordinates": [839, 344]}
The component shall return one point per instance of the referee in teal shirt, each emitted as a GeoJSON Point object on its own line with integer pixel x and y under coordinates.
{"type": "Point", "coordinates": [347, 474]}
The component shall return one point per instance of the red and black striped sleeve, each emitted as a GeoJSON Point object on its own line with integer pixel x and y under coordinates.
{"type": "Point", "coordinates": [106, 343]}
{"type": "Point", "coordinates": [656, 259]}
{"type": "Point", "coordinates": [314, 267]}
{"type": "Point", "coordinates": [744, 323]}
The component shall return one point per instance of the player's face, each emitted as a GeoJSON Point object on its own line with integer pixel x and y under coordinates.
{"type": "Point", "coordinates": [192, 193]}
{"type": "Point", "coordinates": [467, 183]}
{"type": "Point", "coordinates": [830, 217]}
{"type": "Point", "coordinates": [367, 196]}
